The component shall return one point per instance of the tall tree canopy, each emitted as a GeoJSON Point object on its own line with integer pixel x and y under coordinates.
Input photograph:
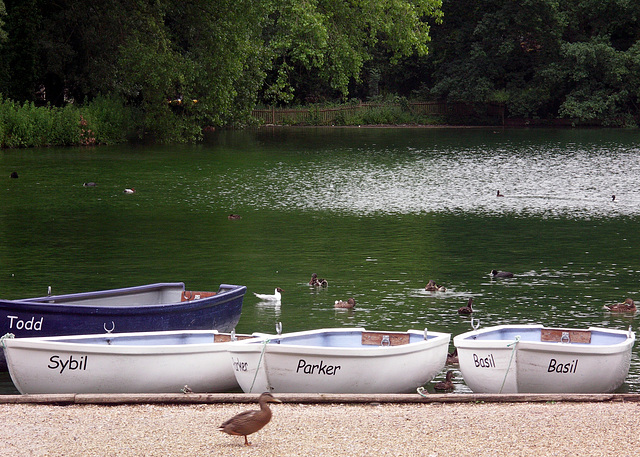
{"type": "Point", "coordinates": [543, 58]}
{"type": "Point", "coordinates": [222, 54]}
{"type": "Point", "coordinates": [184, 64]}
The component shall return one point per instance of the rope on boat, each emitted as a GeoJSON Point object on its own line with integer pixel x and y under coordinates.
{"type": "Point", "coordinates": [514, 344]}
{"type": "Point", "coordinates": [4, 337]}
{"type": "Point", "coordinates": [264, 348]}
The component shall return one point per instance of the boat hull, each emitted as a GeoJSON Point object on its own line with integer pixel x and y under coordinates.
{"type": "Point", "coordinates": [148, 362]}
{"type": "Point", "coordinates": [153, 307]}
{"type": "Point", "coordinates": [336, 361]}
{"type": "Point", "coordinates": [519, 359]}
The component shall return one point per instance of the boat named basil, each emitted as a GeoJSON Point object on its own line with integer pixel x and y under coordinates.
{"type": "Point", "coordinates": [537, 359]}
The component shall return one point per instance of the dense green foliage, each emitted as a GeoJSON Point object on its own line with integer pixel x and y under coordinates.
{"type": "Point", "coordinates": [179, 66]}
{"type": "Point", "coordinates": [166, 69]}
{"type": "Point", "coordinates": [543, 58]}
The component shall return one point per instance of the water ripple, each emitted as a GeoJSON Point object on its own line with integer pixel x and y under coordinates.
{"type": "Point", "coordinates": [549, 182]}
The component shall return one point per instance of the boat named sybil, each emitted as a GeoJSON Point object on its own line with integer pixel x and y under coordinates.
{"type": "Point", "coordinates": [339, 360]}
{"type": "Point", "coordinates": [140, 362]}
{"type": "Point", "coordinates": [151, 307]}
{"type": "Point", "coordinates": [537, 359]}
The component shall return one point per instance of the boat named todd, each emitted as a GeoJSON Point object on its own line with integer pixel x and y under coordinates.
{"type": "Point", "coordinates": [25, 324]}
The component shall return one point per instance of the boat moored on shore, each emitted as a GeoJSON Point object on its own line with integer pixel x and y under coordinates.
{"type": "Point", "coordinates": [139, 362]}
{"type": "Point", "coordinates": [537, 359]}
{"type": "Point", "coordinates": [340, 360]}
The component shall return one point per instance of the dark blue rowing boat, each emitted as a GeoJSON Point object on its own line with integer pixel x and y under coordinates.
{"type": "Point", "coordinates": [147, 308]}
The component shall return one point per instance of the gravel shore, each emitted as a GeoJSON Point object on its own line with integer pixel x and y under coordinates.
{"type": "Point", "coordinates": [433, 429]}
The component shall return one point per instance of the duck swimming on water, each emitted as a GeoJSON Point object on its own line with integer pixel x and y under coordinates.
{"type": "Point", "coordinates": [447, 384]}
{"type": "Point", "coordinates": [466, 309]}
{"type": "Point", "coordinates": [277, 295]}
{"type": "Point", "coordinates": [349, 304]}
{"type": "Point", "coordinates": [433, 287]}
{"type": "Point", "coordinates": [628, 306]}
{"type": "Point", "coordinates": [501, 274]}
{"type": "Point", "coordinates": [251, 421]}
{"type": "Point", "coordinates": [318, 282]}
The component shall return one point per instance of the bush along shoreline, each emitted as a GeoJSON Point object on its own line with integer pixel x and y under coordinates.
{"type": "Point", "coordinates": [102, 121]}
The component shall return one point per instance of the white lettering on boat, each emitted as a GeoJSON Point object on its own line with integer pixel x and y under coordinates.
{"type": "Point", "coordinates": [484, 362]}
{"type": "Point", "coordinates": [321, 368]}
{"type": "Point", "coordinates": [569, 367]}
{"type": "Point", "coordinates": [238, 365]}
{"type": "Point", "coordinates": [30, 324]}
{"type": "Point", "coordinates": [68, 364]}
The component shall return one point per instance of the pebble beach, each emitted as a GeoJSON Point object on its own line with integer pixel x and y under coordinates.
{"type": "Point", "coordinates": [550, 428]}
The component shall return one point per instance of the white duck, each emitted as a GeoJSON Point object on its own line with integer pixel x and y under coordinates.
{"type": "Point", "coordinates": [275, 297]}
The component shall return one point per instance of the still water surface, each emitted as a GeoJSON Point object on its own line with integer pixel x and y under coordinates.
{"type": "Point", "coordinates": [378, 212]}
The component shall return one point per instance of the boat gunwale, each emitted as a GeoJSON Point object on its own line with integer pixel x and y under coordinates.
{"type": "Point", "coordinates": [62, 343]}
{"type": "Point", "coordinates": [464, 341]}
{"type": "Point", "coordinates": [255, 345]}
{"type": "Point", "coordinates": [39, 305]}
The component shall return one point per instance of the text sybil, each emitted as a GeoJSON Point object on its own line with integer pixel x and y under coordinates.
{"type": "Point", "coordinates": [70, 363]}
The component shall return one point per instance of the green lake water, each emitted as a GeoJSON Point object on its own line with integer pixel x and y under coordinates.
{"type": "Point", "coordinates": [377, 212]}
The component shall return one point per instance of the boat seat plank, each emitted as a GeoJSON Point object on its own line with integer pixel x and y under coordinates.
{"type": "Point", "coordinates": [226, 337]}
{"type": "Point", "coordinates": [389, 338]}
{"type": "Point", "coordinates": [188, 295]}
{"type": "Point", "coordinates": [554, 335]}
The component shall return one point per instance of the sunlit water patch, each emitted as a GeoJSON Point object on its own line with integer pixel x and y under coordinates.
{"type": "Point", "coordinates": [548, 180]}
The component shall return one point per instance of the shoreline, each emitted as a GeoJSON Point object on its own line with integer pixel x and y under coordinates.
{"type": "Point", "coordinates": [312, 398]}
{"type": "Point", "coordinates": [327, 429]}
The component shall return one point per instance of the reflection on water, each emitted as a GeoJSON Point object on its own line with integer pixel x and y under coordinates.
{"type": "Point", "coordinates": [378, 212]}
{"type": "Point", "coordinates": [414, 176]}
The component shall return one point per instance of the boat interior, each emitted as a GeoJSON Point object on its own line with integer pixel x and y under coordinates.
{"type": "Point", "coordinates": [551, 335]}
{"type": "Point", "coordinates": [147, 295]}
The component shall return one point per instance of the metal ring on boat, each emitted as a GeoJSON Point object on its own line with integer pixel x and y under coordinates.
{"type": "Point", "coordinates": [475, 323]}
{"type": "Point", "coordinates": [565, 338]}
{"type": "Point", "coordinates": [113, 327]}
{"type": "Point", "coordinates": [385, 341]}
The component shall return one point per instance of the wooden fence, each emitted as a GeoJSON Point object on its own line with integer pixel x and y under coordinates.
{"type": "Point", "coordinates": [328, 116]}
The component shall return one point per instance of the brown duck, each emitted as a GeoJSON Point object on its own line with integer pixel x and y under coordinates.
{"type": "Point", "coordinates": [628, 306]}
{"type": "Point", "coordinates": [452, 358]}
{"type": "Point", "coordinates": [351, 303]}
{"type": "Point", "coordinates": [251, 421]}
{"type": "Point", "coordinates": [433, 287]}
{"type": "Point", "coordinates": [466, 309]}
{"type": "Point", "coordinates": [445, 385]}
{"type": "Point", "coordinates": [318, 282]}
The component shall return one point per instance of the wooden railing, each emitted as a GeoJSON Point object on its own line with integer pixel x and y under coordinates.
{"type": "Point", "coordinates": [328, 116]}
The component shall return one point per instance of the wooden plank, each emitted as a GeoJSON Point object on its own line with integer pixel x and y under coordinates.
{"type": "Point", "coordinates": [557, 335]}
{"type": "Point", "coordinates": [189, 295]}
{"type": "Point", "coordinates": [385, 338]}
{"type": "Point", "coordinates": [315, 398]}
{"type": "Point", "coordinates": [226, 337]}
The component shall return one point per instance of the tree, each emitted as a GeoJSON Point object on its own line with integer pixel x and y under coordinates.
{"type": "Point", "coordinates": [331, 40]}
